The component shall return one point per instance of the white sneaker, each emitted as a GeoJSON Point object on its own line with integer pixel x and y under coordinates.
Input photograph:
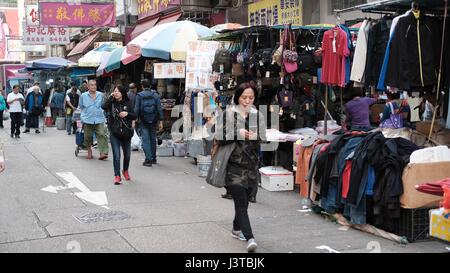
{"type": "Point", "coordinates": [252, 245]}
{"type": "Point", "coordinates": [238, 235]}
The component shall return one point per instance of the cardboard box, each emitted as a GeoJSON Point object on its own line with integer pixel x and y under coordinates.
{"type": "Point", "coordinates": [440, 224]}
{"type": "Point", "coordinates": [276, 179]}
{"type": "Point", "coordinates": [415, 174]}
{"type": "Point", "coordinates": [424, 127]}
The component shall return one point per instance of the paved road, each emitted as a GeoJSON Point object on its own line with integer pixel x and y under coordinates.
{"type": "Point", "coordinates": [167, 208]}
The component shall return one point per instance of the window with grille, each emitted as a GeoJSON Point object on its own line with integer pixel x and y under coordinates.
{"type": "Point", "coordinates": [8, 3]}
{"type": "Point", "coordinates": [343, 4]}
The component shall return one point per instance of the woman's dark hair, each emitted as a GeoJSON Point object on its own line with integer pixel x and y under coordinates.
{"type": "Point", "coordinates": [241, 88]}
{"type": "Point", "coordinates": [393, 96]}
{"type": "Point", "coordinates": [123, 92]}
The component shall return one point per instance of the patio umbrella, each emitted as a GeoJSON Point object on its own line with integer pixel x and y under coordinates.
{"type": "Point", "coordinates": [114, 60]}
{"type": "Point", "coordinates": [227, 26]}
{"type": "Point", "coordinates": [165, 41]}
{"type": "Point", "coordinates": [49, 63]}
{"type": "Point", "coordinates": [103, 63]}
{"type": "Point", "coordinates": [93, 57]}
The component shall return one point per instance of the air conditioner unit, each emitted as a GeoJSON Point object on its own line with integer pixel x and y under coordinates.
{"type": "Point", "coordinates": [37, 53]}
{"type": "Point", "coordinates": [221, 3]}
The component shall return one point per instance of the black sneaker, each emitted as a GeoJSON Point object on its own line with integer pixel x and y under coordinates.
{"type": "Point", "coordinates": [154, 161]}
{"type": "Point", "coordinates": [12, 135]}
{"type": "Point", "coordinates": [38, 132]}
{"type": "Point", "coordinates": [227, 196]}
{"type": "Point", "coordinates": [252, 199]}
{"type": "Point", "coordinates": [147, 163]}
{"type": "Point", "coordinates": [17, 136]}
{"type": "Point", "coordinates": [26, 131]}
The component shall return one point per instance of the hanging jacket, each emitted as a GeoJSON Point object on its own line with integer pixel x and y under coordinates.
{"type": "Point", "coordinates": [412, 60]}
{"type": "Point", "coordinates": [376, 48]}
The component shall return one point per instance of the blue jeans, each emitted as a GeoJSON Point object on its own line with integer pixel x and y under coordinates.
{"type": "Point", "coordinates": [116, 143]}
{"type": "Point", "coordinates": [70, 126]}
{"type": "Point", "coordinates": [149, 141]}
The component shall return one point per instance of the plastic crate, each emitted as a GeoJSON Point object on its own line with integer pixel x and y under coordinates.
{"type": "Point", "coordinates": [414, 224]}
{"type": "Point", "coordinates": [164, 151]}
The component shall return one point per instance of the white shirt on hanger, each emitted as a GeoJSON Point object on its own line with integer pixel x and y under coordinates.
{"type": "Point", "coordinates": [360, 58]}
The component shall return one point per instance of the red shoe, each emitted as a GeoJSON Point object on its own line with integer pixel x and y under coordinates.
{"type": "Point", "coordinates": [117, 180]}
{"type": "Point", "coordinates": [89, 155]}
{"type": "Point", "coordinates": [126, 175]}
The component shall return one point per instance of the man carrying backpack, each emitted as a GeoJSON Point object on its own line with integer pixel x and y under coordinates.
{"type": "Point", "coordinates": [149, 111]}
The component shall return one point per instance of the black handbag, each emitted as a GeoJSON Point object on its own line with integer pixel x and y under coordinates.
{"type": "Point", "coordinates": [120, 128]}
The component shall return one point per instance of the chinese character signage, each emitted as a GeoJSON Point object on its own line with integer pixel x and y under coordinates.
{"type": "Point", "coordinates": [77, 15]}
{"type": "Point", "coordinates": [150, 7]}
{"type": "Point", "coordinates": [32, 15]}
{"type": "Point", "coordinates": [199, 59]}
{"type": "Point", "coordinates": [169, 70]}
{"type": "Point", "coordinates": [39, 35]}
{"type": "Point", "coordinates": [275, 12]}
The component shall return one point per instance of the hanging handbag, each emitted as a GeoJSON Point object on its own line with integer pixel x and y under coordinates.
{"type": "Point", "coordinates": [395, 120]}
{"type": "Point", "coordinates": [277, 55]}
{"type": "Point", "coordinates": [290, 56]}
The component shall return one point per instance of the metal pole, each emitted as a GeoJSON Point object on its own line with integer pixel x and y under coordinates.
{"type": "Point", "coordinates": [125, 14]}
{"type": "Point", "coordinates": [440, 72]}
{"type": "Point", "coordinates": [325, 131]}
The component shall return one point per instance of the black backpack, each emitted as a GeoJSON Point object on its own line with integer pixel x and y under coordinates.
{"type": "Point", "coordinates": [149, 108]}
{"type": "Point", "coordinates": [222, 57]}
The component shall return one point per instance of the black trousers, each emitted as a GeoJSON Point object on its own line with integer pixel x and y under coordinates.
{"type": "Point", "coordinates": [32, 121]}
{"type": "Point", "coordinates": [16, 121]}
{"type": "Point", "coordinates": [1, 118]}
{"type": "Point", "coordinates": [241, 219]}
{"type": "Point", "coordinates": [252, 191]}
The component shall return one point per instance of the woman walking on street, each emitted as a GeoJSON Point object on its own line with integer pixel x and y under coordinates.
{"type": "Point", "coordinates": [120, 118]}
{"type": "Point", "coordinates": [248, 129]}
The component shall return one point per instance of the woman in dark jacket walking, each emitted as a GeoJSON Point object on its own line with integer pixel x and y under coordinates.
{"type": "Point", "coordinates": [120, 118]}
{"type": "Point", "coordinates": [247, 131]}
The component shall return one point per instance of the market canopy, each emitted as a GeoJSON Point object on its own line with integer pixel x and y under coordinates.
{"type": "Point", "coordinates": [48, 63]}
{"type": "Point", "coordinates": [166, 41]}
{"type": "Point", "coordinates": [397, 5]}
{"type": "Point", "coordinates": [103, 62]}
{"type": "Point", "coordinates": [113, 62]}
{"type": "Point", "coordinates": [93, 57]}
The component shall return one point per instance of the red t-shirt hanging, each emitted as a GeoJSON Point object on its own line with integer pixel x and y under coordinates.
{"type": "Point", "coordinates": [334, 51]}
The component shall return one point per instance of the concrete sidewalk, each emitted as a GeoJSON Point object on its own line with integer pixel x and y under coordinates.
{"type": "Point", "coordinates": [166, 208]}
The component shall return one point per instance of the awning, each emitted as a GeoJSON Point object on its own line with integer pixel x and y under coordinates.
{"type": "Point", "coordinates": [114, 60]}
{"type": "Point", "coordinates": [141, 27]}
{"type": "Point", "coordinates": [169, 19]}
{"type": "Point", "coordinates": [103, 63]}
{"type": "Point", "coordinates": [82, 72]}
{"type": "Point", "coordinates": [93, 57]}
{"type": "Point", "coordinates": [48, 63]}
{"type": "Point", "coordinates": [82, 46]}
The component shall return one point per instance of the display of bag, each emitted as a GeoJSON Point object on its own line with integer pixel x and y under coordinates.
{"type": "Point", "coordinates": [285, 98]}
{"type": "Point", "coordinates": [237, 70]}
{"type": "Point", "coordinates": [290, 56]}
{"type": "Point", "coordinates": [222, 58]}
{"type": "Point", "coordinates": [243, 57]}
{"type": "Point", "coordinates": [395, 120]}
{"type": "Point", "coordinates": [306, 79]}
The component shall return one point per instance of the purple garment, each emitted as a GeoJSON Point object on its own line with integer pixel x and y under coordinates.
{"type": "Point", "coordinates": [358, 111]}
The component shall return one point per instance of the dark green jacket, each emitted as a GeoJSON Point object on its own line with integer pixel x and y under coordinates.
{"type": "Point", "coordinates": [242, 169]}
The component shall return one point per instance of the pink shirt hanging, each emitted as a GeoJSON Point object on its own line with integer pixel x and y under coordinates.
{"type": "Point", "coordinates": [335, 51]}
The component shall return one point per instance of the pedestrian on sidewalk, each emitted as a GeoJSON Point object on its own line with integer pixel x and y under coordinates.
{"type": "Point", "coordinates": [93, 119]}
{"type": "Point", "coordinates": [15, 100]}
{"type": "Point", "coordinates": [71, 104]}
{"type": "Point", "coordinates": [120, 119]}
{"type": "Point", "coordinates": [57, 103]}
{"type": "Point", "coordinates": [242, 170]}
{"type": "Point", "coordinates": [34, 108]}
{"type": "Point", "coordinates": [2, 108]}
{"type": "Point", "coordinates": [149, 112]}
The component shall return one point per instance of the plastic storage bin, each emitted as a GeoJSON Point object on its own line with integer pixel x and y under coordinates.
{"type": "Point", "coordinates": [180, 149]}
{"type": "Point", "coordinates": [163, 151]}
{"type": "Point", "coordinates": [276, 179]}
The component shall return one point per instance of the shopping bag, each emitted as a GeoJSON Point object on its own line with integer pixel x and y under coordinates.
{"type": "Point", "coordinates": [6, 115]}
{"type": "Point", "coordinates": [136, 142]}
{"type": "Point", "coordinates": [48, 117]}
{"type": "Point", "coordinates": [217, 172]}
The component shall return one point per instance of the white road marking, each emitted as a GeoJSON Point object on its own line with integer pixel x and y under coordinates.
{"type": "Point", "coordinates": [329, 249]}
{"type": "Point", "coordinates": [97, 197]}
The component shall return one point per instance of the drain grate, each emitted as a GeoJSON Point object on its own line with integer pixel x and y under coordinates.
{"type": "Point", "coordinates": [102, 217]}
